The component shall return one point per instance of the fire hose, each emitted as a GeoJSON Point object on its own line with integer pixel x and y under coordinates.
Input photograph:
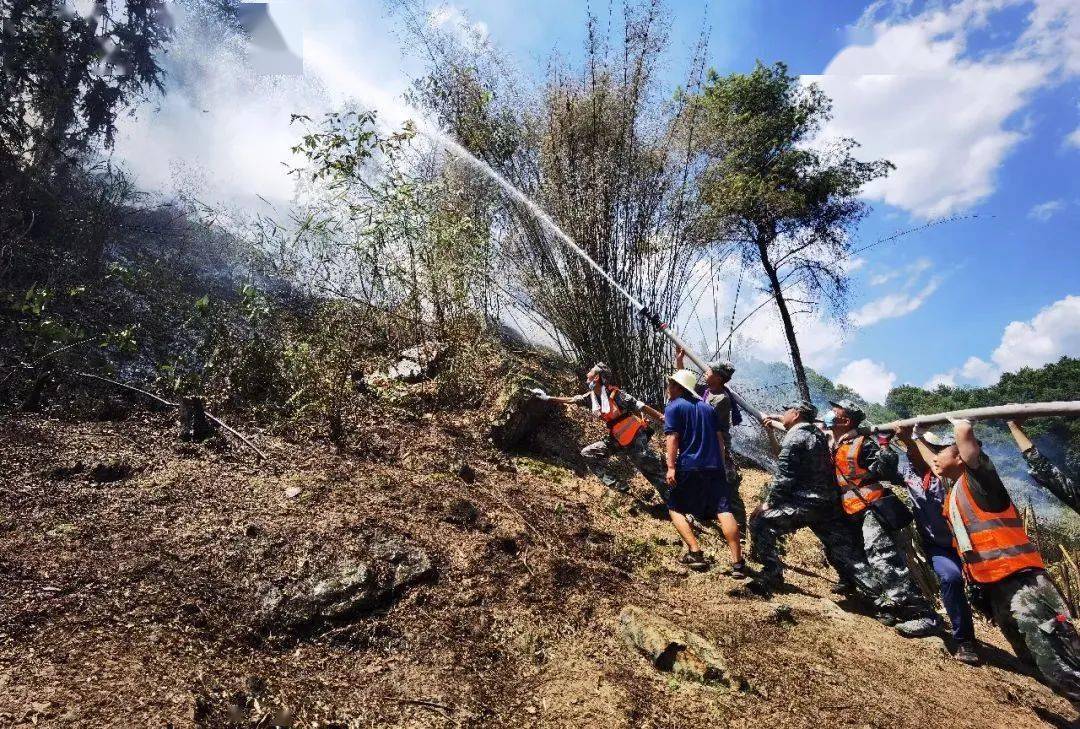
{"type": "Point", "coordinates": [996, 412]}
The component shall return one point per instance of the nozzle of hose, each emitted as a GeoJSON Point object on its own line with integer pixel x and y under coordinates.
{"type": "Point", "coordinates": [652, 318]}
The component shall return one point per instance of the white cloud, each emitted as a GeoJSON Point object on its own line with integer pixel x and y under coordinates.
{"type": "Point", "coordinates": [855, 264]}
{"type": "Point", "coordinates": [870, 379]}
{"type": "Point", "coordinates": [1044, 211]}
{"type": "Point", "coordinates": [452, 19]}
{"type": "Point", "coordinates": [895, 305]}
{"type": "Point", "coordinates": [1054, 30]}
{"type": "Point", "coordinates": [980, 371]}
{"type": "Point", "coordinates": [1051, 334]}
{"type": "Point", "coordinates": [1074, 138]}
{"type": "Point", "coordinates": [914, 94]}
{"type": "Point", "coordinates": [948, 379]}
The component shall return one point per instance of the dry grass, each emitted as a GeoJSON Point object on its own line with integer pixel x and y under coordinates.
{"type": "Point", "coordinates": [133, 602]}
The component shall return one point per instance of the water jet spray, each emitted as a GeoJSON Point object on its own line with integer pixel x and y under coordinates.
{"type": "Point", "coordinates": [541, 215]}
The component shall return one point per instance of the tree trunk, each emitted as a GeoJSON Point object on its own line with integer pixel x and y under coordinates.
{"type": "Point", "coordinates": [34, 399]}
{"type": "Point", "coordinates": [785, 317]}
{"type": "Point", "coordinates": [193, 422]}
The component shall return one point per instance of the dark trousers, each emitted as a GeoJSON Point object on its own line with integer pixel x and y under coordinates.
{"type": "Point", "coordinates": [889, 566]}
{"type": "Point", "coordinates": [950, 574]}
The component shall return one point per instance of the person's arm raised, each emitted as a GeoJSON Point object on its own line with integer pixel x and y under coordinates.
{"type": "Point", "coordinates": [918, 453]}
{"type": "Point", "coordinates": [966, 442]}
{"type": "Point", "coordinates": [1022, 441]}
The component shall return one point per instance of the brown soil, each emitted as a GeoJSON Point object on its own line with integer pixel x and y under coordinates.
{"type": "Point", "coordinates": [133, 601]}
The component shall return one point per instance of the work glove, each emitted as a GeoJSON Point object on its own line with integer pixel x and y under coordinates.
{"type": "Point", "coordinates": [539, 394]}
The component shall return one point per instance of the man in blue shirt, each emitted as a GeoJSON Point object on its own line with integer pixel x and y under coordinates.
{"type": "Point", "coordinates": [695, 470]}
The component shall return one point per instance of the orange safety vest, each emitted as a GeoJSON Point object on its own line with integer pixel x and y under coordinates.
{"type": "Point", "coordinates": [857, 486]}
{"type": "Point", "coordinates": [999, 545]}
{"type": "Point", "coordinates": [623, 426]}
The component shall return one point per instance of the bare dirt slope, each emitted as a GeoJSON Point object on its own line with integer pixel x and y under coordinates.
{"type": "Point", "coordinates": [135, 573]}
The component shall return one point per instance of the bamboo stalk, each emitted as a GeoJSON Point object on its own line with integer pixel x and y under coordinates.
{"type": "Point", "coordinates": [1070, 571]}
{"type": "Point", "coordinates": [1013, 410]}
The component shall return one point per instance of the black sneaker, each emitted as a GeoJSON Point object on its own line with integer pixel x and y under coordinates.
{"type": "Point", "coordinates": [886, 619]}
{"type": "Point", "coordinates": [694, 560]}
{"type": "Point", "coordinates": [968, 653]}
{"type": "Point", "coordinates": [738, 571]}
{"type": "Point", "coordinates": [761, 587]}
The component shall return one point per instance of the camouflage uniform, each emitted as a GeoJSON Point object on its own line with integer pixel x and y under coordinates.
{"type": "Point", "coordinates": [1026, 605]}
{"type": "Point", "coordinates": [1033, 616]}
{"type": "Point", "coordinates": [641, 454]}
{"type": "Point", "coordinates": [886, 558]}
{"type": "Point", "coordinates": [1050, 477]}
{"type": "Point", "coordinates": [804, 494]}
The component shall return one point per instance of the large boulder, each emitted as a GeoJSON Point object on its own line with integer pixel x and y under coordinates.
{"type": "Point", "coordinates": [349, 590]}
{"type": "Point", "coordinates": [517, 413]}
{"type": "Point", "coordinates": [672, 649]}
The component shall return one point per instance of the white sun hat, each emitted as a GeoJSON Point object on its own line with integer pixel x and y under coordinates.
{"type": "Point", "coordinates": [687, 380]}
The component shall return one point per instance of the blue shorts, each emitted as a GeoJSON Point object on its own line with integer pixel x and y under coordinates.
{"type": "Point", "coordinates": [703, 494]}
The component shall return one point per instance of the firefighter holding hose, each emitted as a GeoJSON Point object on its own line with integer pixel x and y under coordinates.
{"type": "Point", "coordinates": [1004, 565]}
{"type": "Point", "coordinates": [628, 432]}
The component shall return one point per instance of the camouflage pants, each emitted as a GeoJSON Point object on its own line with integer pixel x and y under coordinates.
{"type": "Point", "coordinates": [644, 458]}
{"type": "Point", "coordinates": [841, 544]}
{"type": "Point", "coordinates": [890, 568]}
{"type": "Point", "coordinates": [1026, 607]}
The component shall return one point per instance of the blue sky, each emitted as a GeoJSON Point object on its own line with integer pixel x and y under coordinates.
{"type": "Point", "coordinates": [976, 101]}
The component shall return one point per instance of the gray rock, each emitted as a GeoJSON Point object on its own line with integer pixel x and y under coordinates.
{"type": "Point", "coordinates": [518, 413]}
{"type": "Point", "coordinates": [109, 472]}
{"type": "Point", "coordinates": [416, 363]}
{"type": "Point", "coordinates": [672, 649]}
{"type": "Point", "coordinates": [348, 591]}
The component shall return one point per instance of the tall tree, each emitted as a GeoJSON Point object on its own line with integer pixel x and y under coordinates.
{"type": "Point", "coordinates": [65, 75]}
{"type": "Point", "coordinates": [787, 200]}
{"type": "Point", "coordinates": [593, 146]}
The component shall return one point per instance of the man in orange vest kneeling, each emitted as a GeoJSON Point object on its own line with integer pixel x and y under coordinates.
{"type": "Point", "coordinates": [627, 430]}
{"type": "Point", "coordinates": [1001, 561]}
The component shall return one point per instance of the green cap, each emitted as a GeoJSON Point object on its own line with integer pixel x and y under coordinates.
{"type": "Point", "coordinates": [805, 407]}
{"type": "Point", "coordinates": [722, 367]}
{"type": "Point", "coordinates": [853, 411]}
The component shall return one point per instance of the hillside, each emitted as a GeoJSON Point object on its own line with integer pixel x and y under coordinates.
{"type": "Point", "coordinates": [143, 582]}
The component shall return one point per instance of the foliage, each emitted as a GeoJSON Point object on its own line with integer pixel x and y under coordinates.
{"type": "Point", "coordinates": [785, 199]}
{"type": "Point", "coordinates": [64, 76]}
{"type": "Point", "coordinates": [385, 228]}
{"type": "Point", "coordinates": [594, 146]}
